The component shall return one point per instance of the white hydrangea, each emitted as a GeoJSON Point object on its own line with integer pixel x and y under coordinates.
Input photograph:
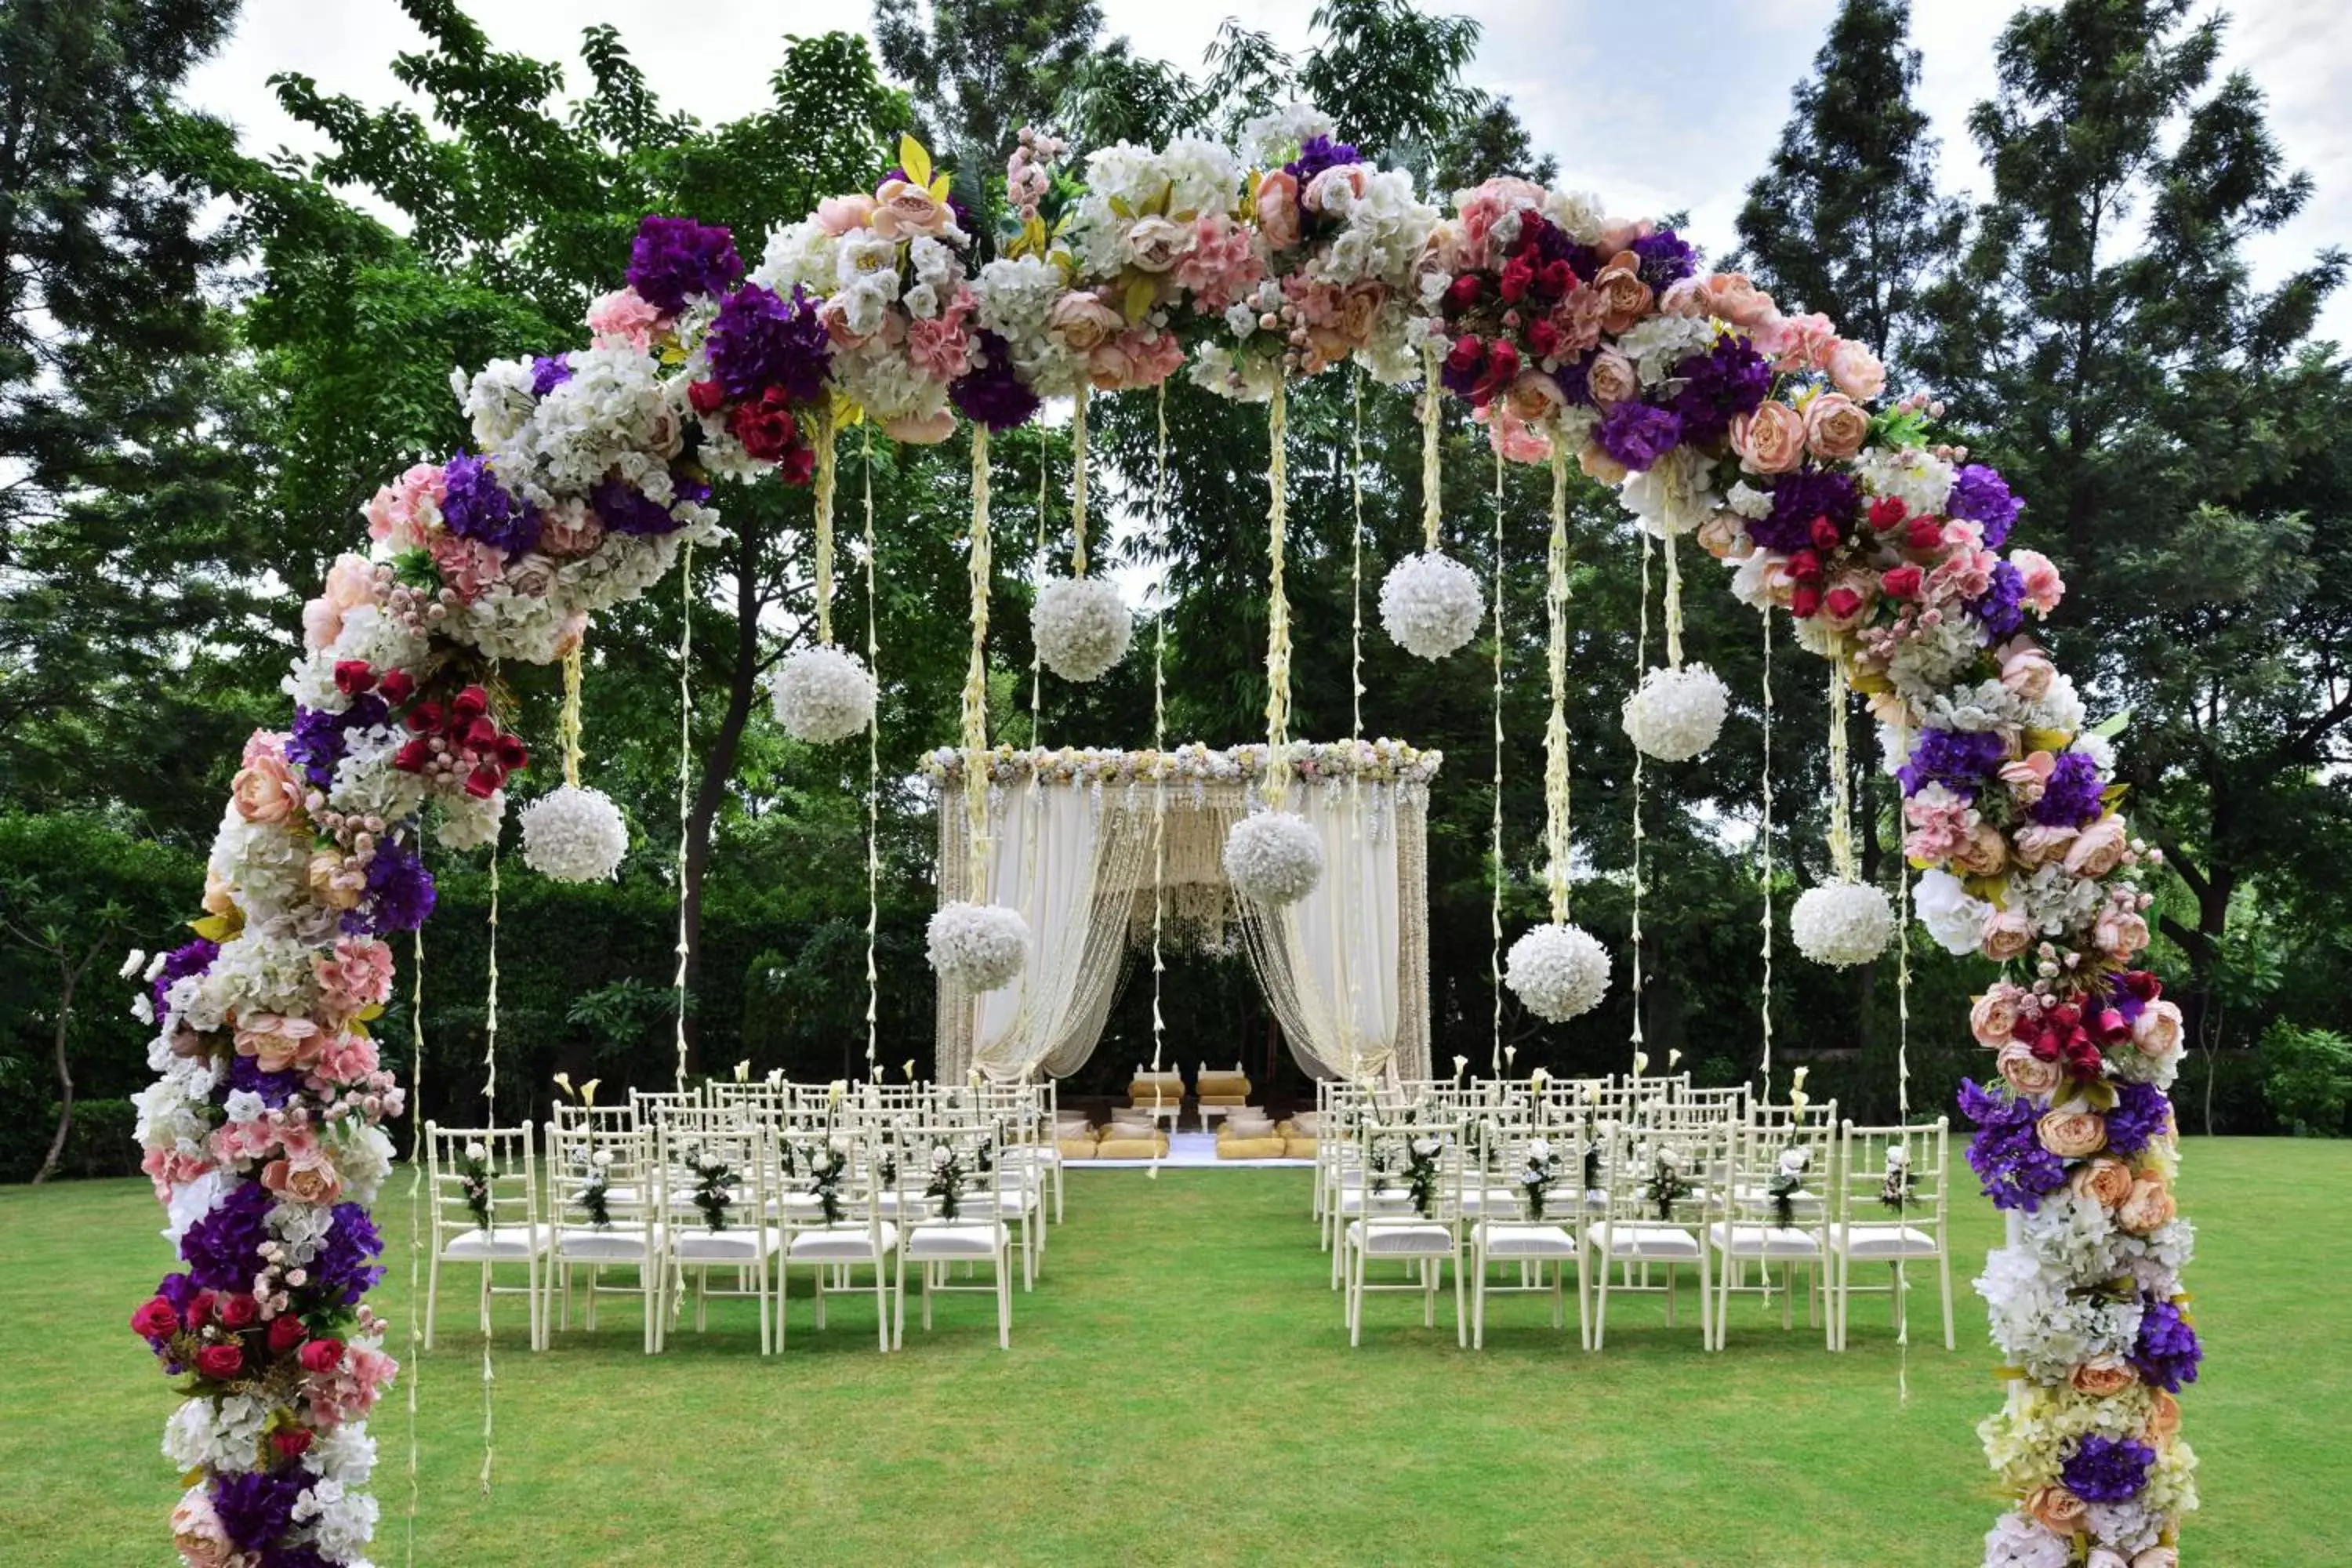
{"type": "Point", "coordinates": [978, 947]}
{"type": "Point", "coordinates": [1244, 378]}
{"type": "Point", "coordinates": [2060, 707]}
{"type": "Point", "coordinates": [1658, 343]}
{"type": "Point", "coordinates": [2100, 749]}
{"type": "Point", "coordinates": [362, 1152]}
{"type": "Point", "coordinates": [1953, 916]}
{"type": "Point", "coordinates": [258, 972]}
{"type": "Point", "coordinates": [799, 253]}
{"type": "Point", "coordinates": [615, 404]}
{"type": "Point", "coordinates": [1675, 495]}
{"type": "Point", "coordinates": [1918, 478]}
{"type": "Point", "coordinates": [175, 1110]}
{"type": "Point", "coordinates": [366, 782]}
{"type": "Point", "coordinates": [1431, 604]}
{"type": "Point", "coordinates": [342, 1453]}
{"type": "Point", "coordinates": [342, 1519]}
{"type": "Point", "coordinates": [2054, 899]}
{"type": "Point", "coordinates": [1559, 971]}
{"type": "Point", "coordinates": [220, 1434]}
{"type": "Point", "coordinates": [1931, 658]}
{"type": "Point", "coordinates": [1749, 503]}
{"type": "Point", "coordinates": [498, 400]}
{"type": "Point", "coordinates": [1082, 626]}
{"type": "Point", "coordinates": [469, 823]}
{"type": "Point", "coordinates": [823, 694]}
{"type": "Point", "coordinates": [1273, 857]}
{"type": "Point", "coordinates": [1275, 137]}
{"type": "Point", "coordinates": [1841, 923]}
{"type": "Point", "coordinates": [1014, 297]}
{"type": "Point", "coordinates": [574, 835]}
{"type": "Point", "coordinates": [2017, 1541]}
{"type": "Point", "coordinates": [1676, 714]}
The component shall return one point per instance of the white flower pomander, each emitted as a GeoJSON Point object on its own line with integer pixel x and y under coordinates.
{"type": "Point", "coordinates": [1082, 626]}
{"type": "Point", "coordinates": [1559, 971]}
{"type": "Point", "coordinates": [1431, 604]}
{"type": "Point", "coordinates": [1273, 857]}
{"type": "Point", "coordinates": [1676, 714]}
{"type": "Point", "coordinates": [823, 694]}
{"type": "Point", "coordinates": [1841, 923]}
{"type": "Point", "coordinates": [979, 947]}
{"type": "Point", "coordinates": [574, 835]}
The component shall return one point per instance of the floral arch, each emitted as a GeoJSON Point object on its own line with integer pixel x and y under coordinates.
{"type": "Point", "coordinates": [1572, 335]}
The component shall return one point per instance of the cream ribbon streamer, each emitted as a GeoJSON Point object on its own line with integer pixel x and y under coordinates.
{"type": "Point", "coordinates": [1494, 899]}
{"type": "Point", "coordinates": [1641, 667]}
{"type": "Point", "coordinates": [1764, 858]}
{"type": "Point", "coordinates": [826, 477]}
{"type": "Point", "coordinates": [1278, 613]}
{"type": "Point", "coordinates": [416, 1363]}
{"type": "Point", "coordinates": [873, 770]}
{"type": "Point", "coordinates": [685, 778]}
{"type": "Point", "coordinates": [975, 680]}
{"type": "Point", "coordinates": [1557, 842]}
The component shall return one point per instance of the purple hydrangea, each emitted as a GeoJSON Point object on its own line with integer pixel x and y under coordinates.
{"type": "Point", "coordinates": [1797, 500]}
{"type": "Point", "coordinates": [294, 1557]}
{"type": "Point", "coordinates": [399, 890]}
{"type": "Point", "coordinates": [2071, 797]}
{"type": "Point", "coordinates": [2006, 1154]}
{"type": "Point", "coordinates": [1963, 761]}
{"type": "Point", "coordinates": [1981, 495]}
{"type": "Point", "coordinates": [274, 1088]}
{"type": "Point", "coordinates": [1575, 378]}
{"type": "Point", "coordinates": [674, 258]}
{"type": "Point", "coordinates": [223, 1249]}
{"type": "Point", "coordinates": [477, 507]}
{"type": "Point", "coordinates": [1665, 259]}
{"type": "Point", "coordinates": [2003, 609]}
{"type": "Point", "coordinates": [344, 1269]}
{"type": "Point", "coordinates": [762, 339]}
{"type": "Point", "coordinates": [256, 1506]}
{"type": "Point", "coordinates": [1729, 378]}
{"type": "Point", "coordinates": [549, 371]}
{"type": "Point", "coordinates": [1317, 154]}
{"type": "Point", "coordinates": [2167, 1353]}
{"type": "Point", "coordinates": [992, 393]}
{"type": "Point", "coordinates": [2107, 1469]}
{"type": "Point", "coordinates": [1637, 435]}
{"type": "Point", "coordinates": [624, 508]}
{"type": "Point", "coordinates": [2141, 1112]}
{"type": "Point", "coordinates": [320, 738]}
{"type": "Point", "coordinates": [181, 961]}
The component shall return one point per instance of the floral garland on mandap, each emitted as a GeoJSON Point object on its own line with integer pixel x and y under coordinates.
{"type": "Point", "coordinates": [1715, 414]}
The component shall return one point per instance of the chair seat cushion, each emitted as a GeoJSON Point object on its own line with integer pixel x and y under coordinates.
{"type": "Point", "coordinates": [1300, 1148]}
{"type": "Point", "coordinates": [958, 1238]}
{"type": "Point", "coordinates": [1075, 1148]}
{"type": "Point", "coordinates": [1526, 1240]}
{"type": "Point", "coordinates": [1262, 1147]}
{"type": "Point", "coordinates": [1137, 1148]}
{"type": "Point", "coordinates": [1410, 1238]}
{"type": "Point", "coordinates": [622, 1243]}
{"type": "Point", "coordinates": [1655, 1241]}
{"type": "Point", "coordinates": [1763, 1240]}
{"type": "Point", "coordinates": [504, 1241]}
{"type": "Point", "coordinates": [1882, 1241]}
{"type": "Point", "coordinates": [722, 1246]}
{"type": "Point", "coordinates": [842, 1244]}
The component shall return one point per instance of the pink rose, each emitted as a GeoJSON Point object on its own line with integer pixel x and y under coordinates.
{"type": "Point", "coordinates": [2037, 845]}
{"type": "Point", "coordinates": [265, 790]}
{"type": "Point", "coordinates": [2043, 586]}
{"type": "Point", "coordinates": [904, 210]}
{"type": "Point", "coordinates": [1855, 370]}
{"type": "Point", "coordinates": [2007, 935]}
{"type": "Point", "coordinates": [1277, 208]}
{"type": "Point", "coordinates": [400, 509]}
{"type": "Point", "coordinates": [1684, 298]}
{"type": "Point", "coordinates": [2025, 1072]}
{"type": "Point", "coordinates": [1612, 378]}
{"type": "Point", "coordinates": [2120, 933]}
{"type": "Point", "coordinates": [1083, 322]}
{"type": "Point", "coordinates": [1993, 1018]}
{"type": "Point", "coordinates": [2026, 670]}
{"type": "Point", "coordinates": [2098, 849]}
{"type": "Point", "coordinates": [274, 1040]}
{"type": "Point", "coordinates": [1154, 243]}
{"type": "Point", "coordinates": [313, 1181]}
{"type": "Point", "coordinates": [351, 583]}
{"type": "Point", "coordinates": [2158, 1029]}
{"type": "Point", "coordinates": [1534, 397]}
{"type": "Point", "coordinates": [1769, 441]}
{"type": "Point", "coordinates": [197, 1534]}
{"type": "Point", "coordinates": [1835, 426]}
{"type": "Point", "coordinates": [1730, 297]}
{"type": "Point", "coordinates": [623, 319]}
{"type": "Point", "coordinates": [1323, 193]}
{"type": "Point", "coordinates": [2150, 1209]}
{"type": "Point", "coordinates": [1797, 342]}
{"type": "Point", "coordinates": [2163, 1416]}
{"type": "Point", "coordinates": [2072, 1134]}
{"type": "Point", "coordinates": [839, 214]}
{"type": "Point", "coordinates": [1723, 534]}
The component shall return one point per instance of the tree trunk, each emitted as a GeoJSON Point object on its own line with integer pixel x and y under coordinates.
{"type": "Point", "coordinates": [70, 974]}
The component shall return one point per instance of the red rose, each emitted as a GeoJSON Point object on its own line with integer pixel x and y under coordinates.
{"type": "Point", "coordinates": [469, 704]}
{"type": "Point", "coordinates": [1925, 533]}
{"type": "Point", "coordinates": [1463, 292]}
{"type": "Point", "coordinates": [412, 757]}
{"type": "Point", "coordinates": [484, 781]}
{"type": "Point", "coordinates": [1559, 279]}
{"type": "Point", "coordinates": [482, 733]}
{"type": "Point", "coordinates": [424, 719]}
{"type": "Point", "coordinates": [200, 1310]}
{"type": "Point", "coordinates": [292, 1443]}
{"type": "Point", "coordinates": [1901, 582]}
{"type": "Point", "coordinates": [1466, 354]}
{"type": "Point", "coordinates": [1518, 275]}
{"type": "Point", "coordinates": [220, 1361]}
{"type": "Point", "coordinates": [1803, 600]}
{"type": "Point", "coordinates": [1825, 535]}
{"type": "Point", "coordinates": [354, 676]}
{"type": "Point", "coordinates": [706, 396]}
{"type": "Point", "coordinates": [397, 686]}
{"type": "Point", "coordinates": [1844, 602]}
{"type": "Point", "coordinates": [512, 752]}
{"type": "Point", "coordinates": [322, 1357]}
{"type": "Point", "coordinates": [286, 1332]}
{"type": "Point", "coordinates": [798, 466]}
{"type": "Point", "coordinates": [2142, 984]}
{"type": "Point", "coordinates": [1886, 511]}
{"type": "Point", "coordinates": [1544, 338]}
{"type": "Point", "coordinates": [1805, 566]}
{"type": "Point", "coordinates": [239, 1311]}
{"type": "Point", "coordinates": [156, 1320]}
{"type": "Point", "coordinates": [766, 427]}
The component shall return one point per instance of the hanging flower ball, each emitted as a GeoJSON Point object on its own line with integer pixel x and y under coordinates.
{"type": "Point", "coordinates": [1557, 971]}
{"type": "Point", "coordinates": [1841, 923]}
{"type": "Point", "coordinates": [467, 822]}
{"type": "Point", "coordinates": [979, 947]}
{"type": "Point", "coordinates": [1273, 857]}
{"type": "Point", "coordinates": [1431, 604]}
{"type": "Point", "coordinates": [574, 835]}
{"type": "Point", "coordinates": [823, 694]}
{"type": "Point", "coordinates": [1082, 626]}
{"type": "Point", "coordinates": [1676, 714]}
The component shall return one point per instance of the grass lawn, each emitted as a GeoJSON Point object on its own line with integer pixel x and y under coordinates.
{"type": "Point", "coordinates": [1180, 1391]}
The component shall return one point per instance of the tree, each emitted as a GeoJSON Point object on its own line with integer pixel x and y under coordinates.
{"type": "Point", "coordinates": [983, 68]}
{"type": "Point", "coordinates": [2176, 437]}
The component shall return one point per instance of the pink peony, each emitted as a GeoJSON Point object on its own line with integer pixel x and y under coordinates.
{"type": "Point", "coordinates": [2025, 669]}
{"type": "Point", "coordinates": [351, 583]}
{"type": "Point", "coordinates": [2043, 586]}
{"type": "Point", "coordinates": [1730, 297]}
{"type": "Point", "coordinates": [1318, 197]}
{"type": "Point", "coordinates": [356, 975]}
{"type": "Point", "coordinates": [1855, 370]}
{"type": "Point", "coordinates": [2036, 845]}
{"type": "Point", "coordinates": [2158, 1031]}
{"type": "Point", "coordinates": [1277, 208]}
{"type": "Point", "coordinates": [1835, 426]}
{"type": "Point", "coordinates": [402, 509]}
{"type": "Point", "coordinates": [839, 214]}
{"type": "Point", "coordinates": [1797, 342]}
{"type": "Point", "coordinates": [1993, 1018]}
{"type": "Point", "coordinates": [623, 319]}
{"type": "Point", "coordinates": [2120, 933]}
{"type": "Point", "coordinates": [310, 1181]}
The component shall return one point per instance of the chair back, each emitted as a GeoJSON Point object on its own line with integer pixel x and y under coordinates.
{"type": "Point", "coordinates": [1895, 1175]}
{"type": "Point", "coordinates": [587, 1163]}
{"type": "Point", "coordinates": [481, 1178]}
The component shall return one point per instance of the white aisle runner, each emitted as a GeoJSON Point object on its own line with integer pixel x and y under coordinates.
{"type": "Point", "coordinates": [1187, 1151]}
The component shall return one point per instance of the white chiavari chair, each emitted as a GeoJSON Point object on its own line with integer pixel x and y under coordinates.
{"type": "Point", "coordinates": [1427, 1237]}
{"type": "Point", "coordinates": [939, 1168]}
{"type": "Point", "coordinates": [1544, 1168]}
{"type": "Point", "coordinates": [605, 1196]}
{"type": "Point", "coordinates": [482, 1183]}
{"type": "Point", "coordinates": [834, 1239]}
{"type": "Point", "coordinates": [1899, 1177]}
{"type": "Point", "coordinates": [719, 1170]}
{"type": "Point", "coordinates": [1774, 1208]}
{"type": "Point", "coordinates": [1655, 1174]}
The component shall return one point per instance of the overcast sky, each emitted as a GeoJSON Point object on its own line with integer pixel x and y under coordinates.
{"type": "Point", "coordinates": [1657, 107]}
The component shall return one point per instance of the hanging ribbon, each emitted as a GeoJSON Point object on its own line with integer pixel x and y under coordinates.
{"type": "Point", "coordinates": [490, 1104]}
{"type": "Point", "coordinates": [1042, 562]}
{"type": "Point", "coordinates": [568, 717]}
{"type": "Point", "coordinates": [975, 680]}
{"type": "Point", "coordinates": [1494, 900]}
{"type": "Point", "coordinates": [825, 479]}
{"type": "Point", "coordinates": [1159, 722]}
{"type": "Point", "coordinates": [1764, 859]}
{"type": "Point", "coordinates": [1432, 479]}
{"type": "Point", "coordinates": [1278, 613]}
{"type": "Point", "coordinates": [1556, 799]}
{"type": "Point", "coordinates": [873, 770]}
{"type": "Point", "coordinates": [1641, 667]}
{"type": "Point", "coordinates": [1673, 606]}
{"type": "Point", "coordinates": [685, 780]}
{"type": "Point", "coordinates": [1842, 860]}
{"type": "Point", "coordinates": [414, 1366]}
{"type": "Point", "coordinates": [1079, 485]}
{"type": "Point", "coordinates": [1902, 1118]}
{"type": "Point", "coordinates": [1356, 566]}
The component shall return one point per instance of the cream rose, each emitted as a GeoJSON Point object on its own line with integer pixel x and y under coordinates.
{"type": "Point", "coordinates": [2036, 844]}
{"type": "Point", "coordinates": [1993, 1018]}
{"type": "Point", "coordinates": [264, 789]}
{"type": "Point", "coordinates": [1769, 441]}
{"type": "Point", "coordinates": [2157, 1557]}
{"type": "Point", "coordinates": [904, 210]}
{"type": "Point", "coordinates": [1835, 426]}
{"type": "Point", "coordinates": [1612, 378]}
{"type": "Point", "coordinates": [1599, 465]}
{"type": "Point", "coordinates": [2007, 935]}
{"type": "Point", "coordinates": [1625, 298]}
{"type": "Point", "coordinates": [2027, 1073]}
{"type": "Point", "coordinates": [2163, 1414]}
{"type": "Point", "coordinates": [1983, 853]}
{"type": "Point", "coordinates": [1155, 244]}
{"type": "Point", "coordinates": [1083, 322]}
{"type": "Point", "coordinates": [2106, 1181]}
{"type": "Point", "coordinates": [1277, 208]}
{"type": "Point", "coordinates": [2073, 1134]}
{"type": "Point", "coordinates": [2120, 933]}
{"type": "Point", "coordinates": [2158, 1031]}
{"type": "Point", "coordinates": [1855, 371]}
{"type": "Point", "coordinates": [2098, 849]}
{"type": "Point", "coordinates": [306, 1182]}
{"type": "Point", "coordinates": [1722, 536]}
{"type": "Point", "coordinates": [2150, 1206]}
{"type": "Point", "coordinates": [2028, 672]}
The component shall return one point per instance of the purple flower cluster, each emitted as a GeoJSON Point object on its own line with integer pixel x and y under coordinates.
{"type": "Point", "coordinates": [673, 258]}
{"type": "Point", "coordinates": [1665, 259]}
{"type": "Point", "coordinates": [2107, 1469]}
{"type": "Point", "coordinates": [2071, 797]}
{"type": "Point", "coordinates": [275, 1089]}
{"type": "Point", "coordinates": [256, 1506]}
{"type": "Point", "coordinates": [179, 964]}
{"type": "Point", "coordinates": [1981, 495]}
{"type": "Point", "coordinates": [1963, 761]}
{"type": "Point", "coordinates": [223, 1249]}
{"type": "Point", "coordinates": [624, 508]}
{"type": "Point", "coordinates": [1729, 378]}
{"type": "Point", "coordinates": [320, 738]}
{"type": "Point", "coordinates": [477, 507]}
{"type": "Point", "coordinates": [2003, 609]}
{"type": "Point", "coordinates": [344, 1269]}
{"type": "Point", "coordinates": [399, 890]}
{"type": "Point", "coordinates": [2016, 1171]}
{"type": "Point", "coordinates": [1315, 154]}
{"type": "Point", "coordinates": [992, 393]}
{"type": "Point", "coordinates": [2141, 1112]}
{"type": "Point", "coordinates": [549, 371]}
{"type": "Point", "coordinates": [762, 339]}
{"type": "Point", "coordinates": [2168, 1352]}
{"type": "Point", "coordinates": [1637, 435]}
{"type": "Point", "coordinates": [1797, 500]}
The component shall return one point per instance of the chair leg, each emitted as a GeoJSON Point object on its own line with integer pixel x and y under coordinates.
{"type": "Point", "coordinates": [1944, 1268]}
{"type": "Point", "coordinates": [1478, 1301]}
{"type": "Point", "coordinates": [1003, 1302]}
{"type": "Point", "coordinates": [1460, 1328]}
{"type": "Point", "coordinates": [898, 1305]}
{"type": "Point", "coordinates": [928, 1268]}
{"type": "Point", "coordinates": [881, 1306]}
{"type": "Point", "coordinates": [432, 1292]}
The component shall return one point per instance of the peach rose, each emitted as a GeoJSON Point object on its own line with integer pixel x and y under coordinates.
{"type": "Point", "coordinates": [2059, 1510]}
{"type": "Point", "coordinates": [273, 1040]}
{"type": "Point", "coordinates": [1724, 536]}
{"type": "Point", "coordinates": [1732, 297]}
{"type": "Point", "coordinates": [311, 1182]}
{"type": "Point", "coordinates": [1686, 298]}
{"type": "Point", "coordinates": [1155, 243]}
{"type": "Point", "coordinates": [2106, 1181]}
{"type": "Point", "coordinates": [2157, 1557]}
{"type": "Point", "coordinates": [2163, 1414]}
{"type": "Point", "coordinates": [2150, 1206]}
{"type": "Point", "coordinates": [1319, 192]}
{"type": "Point", "coordinates": [1599, 465]}
{"type": "Point", "coordinates": [1625, 298]}
{"type": "Point", "coordinates": [1277, 208]}
{"type": "Point", "coordinates": [1835, 426]}
{"type": "Point", "coordinates": [2027, 1073]}
{"type": "Point", "coordinates": [2043, 586]}
{"type": "Point", "coordinates": [2103, 1377]}
{"type": "Point", "coordinates": [2037, 844]}
{"type": "Point", "coordinates": [1855, 370]}
{"type": "Point", "coordinates": [265, 789]}
{"type": "Point", "coordinates": [2073, 1134]}
{"type": "Point", "coordinates": [2120, 933]}
{"type": "Point", "coordinates": [351, 583]}
{"type": "Point", "coordinates": [1611, 378]}
{"type": "Point", "coordinates": [838, 214]}
{"type": "Point", "coordinates": [2027, 671]}
{"type": "Point", "coordinates": [1359, 311]}
{"type": "Point", "coordinates": [336, 883]}
{"type": "Point", "coordinates": [904, 210]}
{"type": "Point", "coordinates": [2007, 935]}
{"type": "Point", "coordinates": [1533, 396]}
{"type": "Point", "coordinates": [1769, 441]}
{"type": "Point", "coordinates": [1983, 853]}
{"type": "Point", "coordinates": [1083, 322]}
{"type": "Point", "coordinates": [2158, 1031]}
{"type": "Point", "coordinates": [1993, 1018]}
{"type": "Point", "coordinates": [2098, 849]}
